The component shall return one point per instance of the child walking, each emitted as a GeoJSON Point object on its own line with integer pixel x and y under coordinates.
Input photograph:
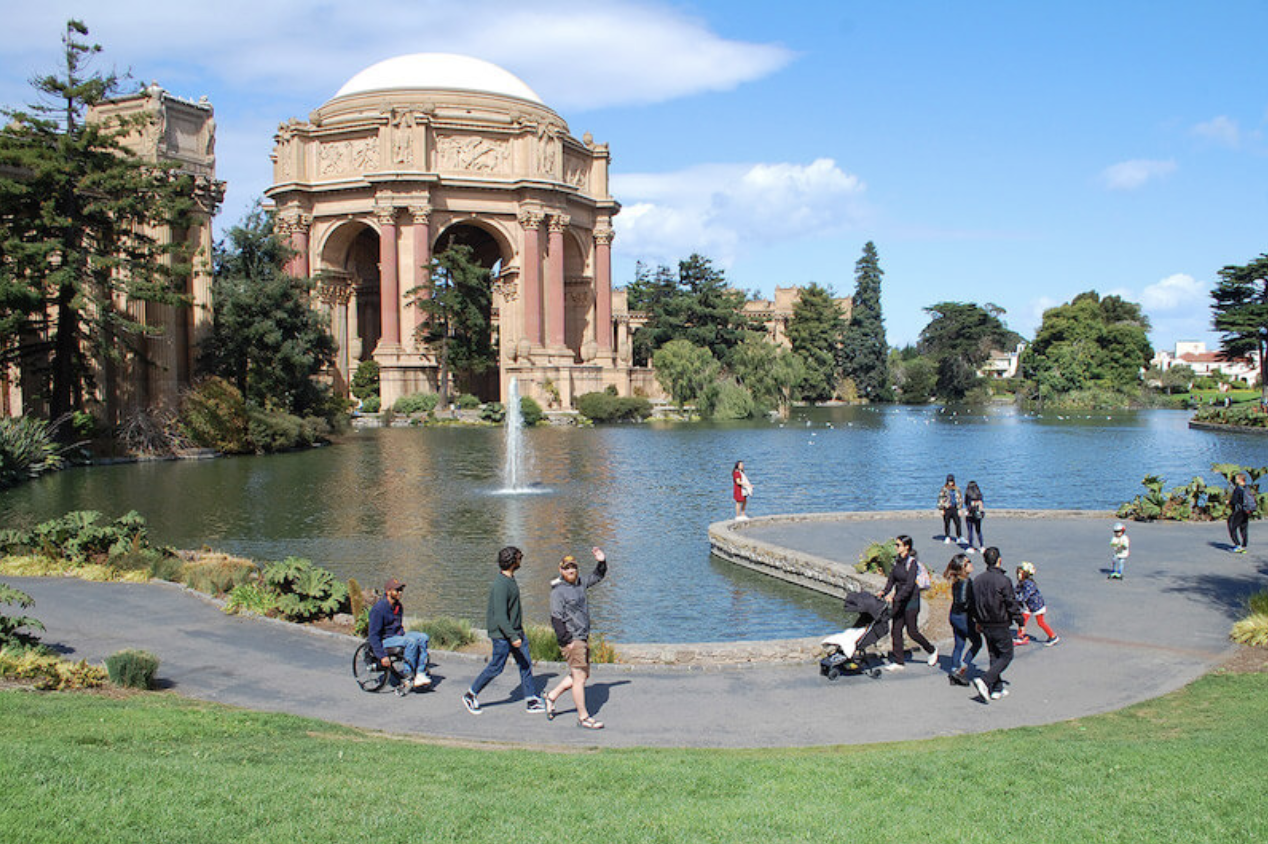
{"type": "Point", "coordinates": [1120, 547]}
{"type": "Point", "coordinates": [1032, 604]}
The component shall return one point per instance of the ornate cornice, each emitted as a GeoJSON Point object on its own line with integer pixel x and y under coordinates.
{"type": "Point", "coordinates": [531, 219]}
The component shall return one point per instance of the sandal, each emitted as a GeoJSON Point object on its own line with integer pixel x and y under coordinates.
{"type": "Point", "coordinates": [550, 709]}
{"type": "Point", "coordinates": [589, 723]}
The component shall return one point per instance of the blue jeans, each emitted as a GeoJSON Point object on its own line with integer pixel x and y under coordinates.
{"type": "Point", "coordinates": [415, 645]}
{"type": "Point", "coordinates": [501, 650]}
{"type": "Point", "coordinates": [963, 632]}
{"type": "Point", "coordinates": [975, 526]}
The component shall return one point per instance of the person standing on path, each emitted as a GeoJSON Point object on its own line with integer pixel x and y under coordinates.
{"type": "Point", "coordinates": [958, 573]}
{"type": "Point", "coordinates": [949, 505]}
{"type": "Point", "coordinates": [1032, 603]}
{"type": "Point", "coordinates": [387, 630]}
{"type": "Point", "coordinates": [742, 489]}
{"type": "Point", "coordinates": [570, 616]}
{"type": "Point", "coordinates": [906, 605]}
{"type": "Point", "coordinates": [974, 510]}
{"type": "Point", "coordinates": [1240, 508]}
{"type": "Point", "coordinates": [1121, 548]}
{"type": "Point", "coordinates": [995, 607]}
{"type": "Point", "coordinates": [506, 628]}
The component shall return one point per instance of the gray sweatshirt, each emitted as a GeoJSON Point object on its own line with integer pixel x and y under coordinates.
{"type": "Point", "coordinates": [569, 610]}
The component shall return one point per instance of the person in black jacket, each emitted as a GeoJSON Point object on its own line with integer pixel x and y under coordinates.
{"type": "Point", "coordinates": [996, 610]}
{"type": "Point", "coordinates": [963, 624]}
{"type": "Point", "coordinates": [906, 604]}
{"type": "Point", "coordinates": [1240, 508]}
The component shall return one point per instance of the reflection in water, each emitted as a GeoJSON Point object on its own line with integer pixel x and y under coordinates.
{"type": "Point", "coordinates": [421, 504]}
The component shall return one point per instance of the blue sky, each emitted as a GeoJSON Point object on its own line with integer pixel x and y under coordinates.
{"type": "Point", "coordinates": [1011, 153]}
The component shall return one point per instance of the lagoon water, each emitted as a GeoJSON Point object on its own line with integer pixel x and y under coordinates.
{"type": "Point", "coordinates": [425, 504]}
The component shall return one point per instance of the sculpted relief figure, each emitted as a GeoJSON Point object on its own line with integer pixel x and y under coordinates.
{"type": "Point", "coordinates": [470, 153]}
{"type": "Point", "coordinates": [365, 153]}
{"type": "Point", "coordinates": [403, 138]}
{"type": "Point", "coordinates": [577, 172]}
{"type": "Point", "coordinates": [333, 158]}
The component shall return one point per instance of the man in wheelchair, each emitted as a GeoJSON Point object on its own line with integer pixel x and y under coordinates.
{"type": "Point", "coordinates": [387, 631]}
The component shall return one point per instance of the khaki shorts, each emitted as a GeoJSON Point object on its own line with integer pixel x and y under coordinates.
{"type": "Point", "coordinates": [577, 655]}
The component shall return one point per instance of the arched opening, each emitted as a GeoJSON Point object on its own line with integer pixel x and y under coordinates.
{"type": "Point", "coordinates": [349, 263]}
{"type": "Point", "coordinates": [487, 251]}
{"type": "Point", "coordinates": [362, 265]}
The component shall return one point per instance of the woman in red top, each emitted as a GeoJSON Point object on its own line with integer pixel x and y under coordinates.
{"type": "Point", "coordinates": [742, 490]}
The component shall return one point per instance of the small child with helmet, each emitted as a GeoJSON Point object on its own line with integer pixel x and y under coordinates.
{"type": "Point", "coordinates": [1120, 546]}
{"type": "Point", "coordinates": [1032, 604]}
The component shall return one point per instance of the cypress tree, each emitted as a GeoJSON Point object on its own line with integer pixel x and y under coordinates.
{"type": "Point", "coordinates": [863, 354]}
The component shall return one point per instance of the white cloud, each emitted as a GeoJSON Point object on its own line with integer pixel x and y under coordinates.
{"type": "Point", "coordinates": [1221, 130]}
{"type": "Point", "coordinates": [722, 209]}
{"type": "Point", "coordinates": [575, 54]}
{"type": "Point", "coordinates": [1131, 175]}
{"type": "Point", "coordinates": [1178, 292]}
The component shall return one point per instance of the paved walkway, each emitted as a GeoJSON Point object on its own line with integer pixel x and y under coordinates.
{"type": "Point", "coordinates": [1122, 642]}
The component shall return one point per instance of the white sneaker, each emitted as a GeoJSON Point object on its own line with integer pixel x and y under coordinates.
{"type": "Point", "coordinates": [933, 657]}
{"type": "Point", "coordinates": [980, 685]}
{"type": "Point", "coordinates": [1003, 692]}
{"type": "Point", "coordinates": [946, 540]}
{"type": "Point", "coordinates": [421, 680]}
{"type": "Point", "coordinates": [895, 666]}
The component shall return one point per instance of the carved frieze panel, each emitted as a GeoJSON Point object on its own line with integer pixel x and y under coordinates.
{"type": "Point", "coordinates": [472, 154]}
{"type": "Point", "coordinates": [506, 287]}
{"type": "Point", "coordinates": [358, 155]}
{"type": "Point", "coordinates": [577, 172]}
{"type": "Point", "coordinates": [403, 137]}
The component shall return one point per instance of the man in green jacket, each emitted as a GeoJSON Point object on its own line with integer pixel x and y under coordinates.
{"type": "Point", "coordinates": [506, 628]}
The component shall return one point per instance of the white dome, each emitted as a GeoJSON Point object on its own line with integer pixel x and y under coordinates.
{"type": "Point", "coordinates": [438, 70]}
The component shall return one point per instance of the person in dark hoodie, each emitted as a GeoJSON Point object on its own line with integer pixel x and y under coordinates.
{"type": "Point", "coordinates": [386, 630]}
{"type": "Point", "coordinates": [996, 609]}
{"type": "Point", "coordinates": [905, 604]}
{"type": "Point", "coordinates": [570, 616]}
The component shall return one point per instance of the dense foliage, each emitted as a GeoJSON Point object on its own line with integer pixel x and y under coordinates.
{"type": "Point", "coordinates": [28, 449]}
{"type": "Point", "coordinates": [694, 305]}
{"type": "Point", "coordinates": [815, 330]}
{"type": "Point", "coordinates": [1240, 309]}
{"type": "Point", "coordinates": [17, 629]}
{"type": "Point", "coordinates": [958, 340]}
{"type": "Point", "coordinates": [365, 381]}
{"type": "Point", "coordinates": [606, 407]}
{"type": "Point", "coordinates": [76, 212]}
{"type": "Point", "coordinates": [303, 591]}
{"type": "Point", "coordinates": [1089, 343]}
{"type": "Point", "coordinates": [1196, 500]}
{"type": "Point", "coordinates": [267, 339]}
{"type": "Point", "coordinates": [863, 354]}
{"type": "Point", "coordinates": [457, 304]}
{"type": "Point", "coordinates": [684, 370]}
{"type": "Point", "coordinates": [773, 375]}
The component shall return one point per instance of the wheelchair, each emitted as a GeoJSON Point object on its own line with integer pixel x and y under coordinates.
{"type": "Point", "coordinates": [370, 674]}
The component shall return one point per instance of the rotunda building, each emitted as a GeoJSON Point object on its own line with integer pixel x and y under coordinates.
{"type": "Point", "coordinates": [423, 151]}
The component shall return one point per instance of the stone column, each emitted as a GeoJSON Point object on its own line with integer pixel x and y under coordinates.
{"type": "Point", "coordinates": [421, 230]}
{"type": "Point", "coordinates": [335, 292]}
{"type": "Point", "coordinates": [555, 282]}
{"type": "Point", "coordinates": [389, 282]}
{"type": "Point", "coordinates": [603, 288]}
{"type": "Point", "coordinates": [531, 221]}
{"type": "Point", "coordinates": [293, 226]}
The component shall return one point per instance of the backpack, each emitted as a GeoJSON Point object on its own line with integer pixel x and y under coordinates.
{"type": "Point", "coordinates": [1249, 505]}
{"type": "Point", "coordinates": [923, 579]}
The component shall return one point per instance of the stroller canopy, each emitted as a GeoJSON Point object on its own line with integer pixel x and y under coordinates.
{"type": "Point", "coordinates": [865, 603]}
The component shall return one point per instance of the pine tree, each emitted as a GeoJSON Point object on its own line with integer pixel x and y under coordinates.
{"type": "Point", "coordinates": [1240, 311]}
{"type": "Point", "coordinates": [864, 352]}
{"type": "Point", "coordinates": [76, 212]}
{"type": "Point", "coordinates": [815, 332]}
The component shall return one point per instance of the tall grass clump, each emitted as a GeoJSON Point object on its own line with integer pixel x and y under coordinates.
{"type": "Point", "coordinates": [251, 598]}
{"type": "Point", "coordinates": [132, 669]}
{"type": "Point", "coordinates": [542, 644]}
{"type": "Point", "coordinates": [216, 573]}
{"type": "Point", "coordinates": [1253, 629]}
{"type": "Point", "coordinates": [28, 449]}
{"type": "Point", "coordinates": [448, 633]}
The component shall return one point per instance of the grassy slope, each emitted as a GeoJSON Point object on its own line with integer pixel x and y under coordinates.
{"type": "Point", "coordinates": [1187, 767]}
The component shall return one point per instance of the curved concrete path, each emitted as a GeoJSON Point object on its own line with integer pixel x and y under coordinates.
{"type": "Point", "coordinates": [1122, 642]}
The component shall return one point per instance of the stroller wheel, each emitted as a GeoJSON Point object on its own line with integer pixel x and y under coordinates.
{"type": "Point", "coordinates": [834, 672]}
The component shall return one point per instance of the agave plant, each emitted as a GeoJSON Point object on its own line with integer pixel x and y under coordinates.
{"type": "Point", "coordinates": [28, 449]}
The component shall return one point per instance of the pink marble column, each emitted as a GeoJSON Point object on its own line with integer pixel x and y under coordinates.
{"type": "Point", "coordinates": [603, 288]}
{"type": "Point", "coordinates": [531, 221]}
{"type": "Point", "coordinates": [421, 231]}
{"type": "Point", "coordinates": [389, 281]}
{"type": "Point", "coordinates": [555, 281]}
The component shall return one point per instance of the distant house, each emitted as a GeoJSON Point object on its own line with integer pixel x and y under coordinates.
{"type": "Point", "coordinates": [1002, 364]}
{"type": "Point", "coordinates": [1193, 353]}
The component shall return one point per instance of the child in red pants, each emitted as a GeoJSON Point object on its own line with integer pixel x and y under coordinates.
{"type": "Point", "coordinates": [1031, 600]}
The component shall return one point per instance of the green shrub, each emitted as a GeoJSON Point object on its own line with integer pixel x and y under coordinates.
{"type": "Point", "coordinates": [132, 669]}
{"type": "Point", "coordinates": [150, 561]}
{"type": "Point", "coordinates": [365, 381]}
{"type": "Point", "coordinates": [494, 412]}
{"type": "Point", "coordinates": [28, 449]}
{"type": "Point", "coordinates": [14, 628]}
{"type": "Point", "coordinates": [78, 538]}
{"type": "Point", "coordinates": [466, 401]}
{"type": "Point", "coordinates": [361, 623]}
{"type": "Point", "coordinates": [416, 403]}
{"type": "Point", "coordinates": [373, 404]}
{"type": "Point", "coordinates": [446, 633]}
{"type": "Point", "coordinates": [530, 411]}
{"type": "Point", "coordinates": [275, 430]}
{"type": "Point", "coordinates": [542, 644]}
{"type": "Point", "coordinates": [1195, 501]}
{"type": "Point", "coordinates": [605, 407]}
{"type": "Point", "coordinates": [218, 574]}
{"type": "Point", "coordinates": [213, 414]}
{"type": "Point", "coordinates": [251, 598]}
{"type": "Point", "coordinates": [877, 557]}
{"type": "Point", "coordinates": [727, 399]}
{"type": "Point", "coordinates": [304, 591]}
{"type": "Point", "coordinates": [15, 541]}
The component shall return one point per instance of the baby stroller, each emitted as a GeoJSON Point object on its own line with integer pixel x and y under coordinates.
{"type": "Point", "coordinates": [845, 652]}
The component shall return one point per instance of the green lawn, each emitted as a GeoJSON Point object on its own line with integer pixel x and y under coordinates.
{"type": "Point", "coordinates": [1189, 767]}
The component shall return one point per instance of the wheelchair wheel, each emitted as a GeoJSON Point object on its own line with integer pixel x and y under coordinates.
{"type": "Point", "coordinates": [367, 671]}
